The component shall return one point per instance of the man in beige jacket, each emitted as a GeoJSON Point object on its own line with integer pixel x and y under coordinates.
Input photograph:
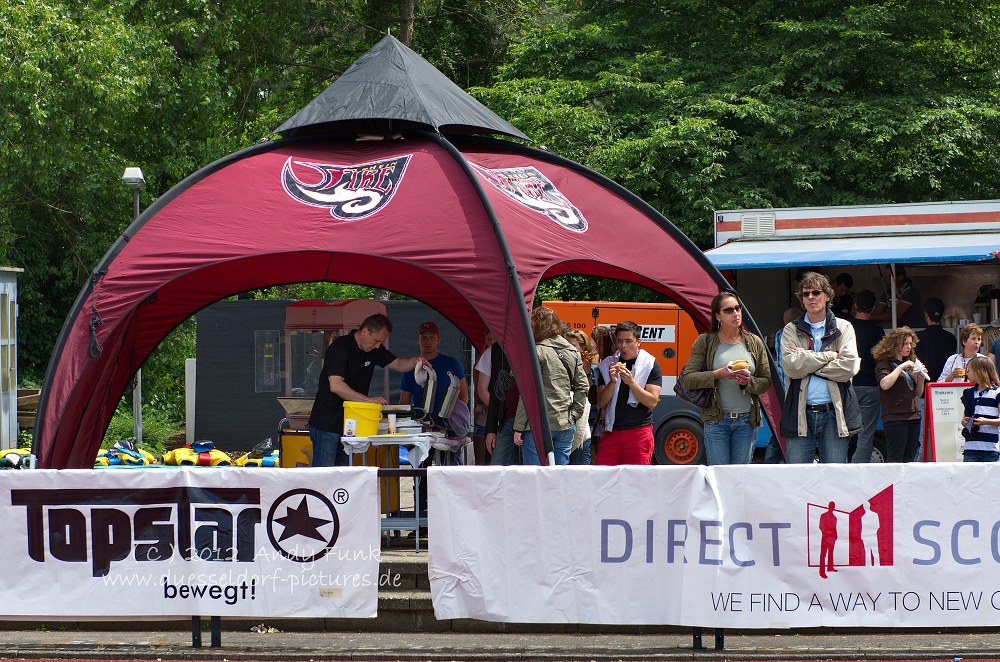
{"type": "Point", "coordinates": [818, 354]}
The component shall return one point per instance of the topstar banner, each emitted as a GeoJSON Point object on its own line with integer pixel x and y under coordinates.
{"type": "Point", "coordinates": [190, 542]}
{"type": "Point", "coordinates": [759, 546]}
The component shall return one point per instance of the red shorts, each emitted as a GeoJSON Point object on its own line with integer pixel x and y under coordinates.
{"type": "Point", "coordinates": [633, 446]}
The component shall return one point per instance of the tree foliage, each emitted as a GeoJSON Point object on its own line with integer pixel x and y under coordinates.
{"type": "Point", "coordinates": [699, 105]}
{"type": "Point", "coordinates": [693, 105]}
{"type": "Point", "coordinates": [88, 88]}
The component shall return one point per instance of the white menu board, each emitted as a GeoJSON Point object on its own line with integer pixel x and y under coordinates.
{"type": "Point", "coordinates": [943, 441]}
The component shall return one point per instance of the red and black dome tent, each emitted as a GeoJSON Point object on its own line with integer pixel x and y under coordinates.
{"type": "Point", "coordinates": [389, 179]}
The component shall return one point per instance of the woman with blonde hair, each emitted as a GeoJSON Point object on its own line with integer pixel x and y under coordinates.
{"type": "Point", "coordinates": [900, 376]}
{"type": "Point", "coordinates": [970, 338]}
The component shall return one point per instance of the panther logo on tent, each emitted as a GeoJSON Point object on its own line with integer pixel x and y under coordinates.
{"type": "Point", "coordinates": [350, 192]}
{"type": "Point", "coordinates": [529, 187]}
{"type": "Point", "coordinates": [858, 537]}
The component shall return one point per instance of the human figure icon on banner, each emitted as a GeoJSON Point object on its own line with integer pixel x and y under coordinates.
{"type": "Point", "coordinates": [869, 535]}
{"type": "Point", "coordinates": [828, 540]}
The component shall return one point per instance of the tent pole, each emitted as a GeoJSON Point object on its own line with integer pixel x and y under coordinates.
{"type": "Point", "coordinates": [515, 287]}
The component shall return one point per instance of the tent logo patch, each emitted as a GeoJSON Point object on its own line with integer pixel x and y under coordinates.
{"type": "Point", "coordinates": [350, 192]}
{"type": "Point", "coordinates": [530, 188]}
{"type": "Point", "coordinates": [861, 536]}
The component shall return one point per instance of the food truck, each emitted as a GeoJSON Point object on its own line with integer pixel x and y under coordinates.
{"type": "Point", "coordinates": [949, 250]}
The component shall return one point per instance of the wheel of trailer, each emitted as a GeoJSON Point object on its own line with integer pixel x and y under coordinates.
{"type": "Point", "coordinates": [679, 441]}
{"type": "Point", "coordinates": [879, 450]}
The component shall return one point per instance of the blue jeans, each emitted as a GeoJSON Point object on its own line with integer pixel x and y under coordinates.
{"type": "Point", "coordinates": [822, 436]}
{"type": "Point", "coordinates": [582, 454]}
{"type": "Point", "coordinates": [980, 456]}
{"type": "Point", "coordinates": [505, 450]}
{"type": "Point", "coordinates": [730, 441]}
{"type": "Point", "coordinates": [871, 407]}
{"type": "Point", "coordinates": [327, 449]}
{"type": "Point", "coordinates": [773, 454]}
{"type": "Point", "coordinates": [562, 444]}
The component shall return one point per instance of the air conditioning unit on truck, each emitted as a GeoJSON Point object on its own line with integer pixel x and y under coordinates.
{"type": "Point", "coordinates": [667, 334]}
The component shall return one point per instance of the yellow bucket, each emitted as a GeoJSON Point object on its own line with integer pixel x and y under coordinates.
{"type": "Point", "coordinates": [361, 418]}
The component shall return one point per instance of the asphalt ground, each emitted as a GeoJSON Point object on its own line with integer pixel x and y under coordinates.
{"type": "Point", "coordinates": [276, 645]}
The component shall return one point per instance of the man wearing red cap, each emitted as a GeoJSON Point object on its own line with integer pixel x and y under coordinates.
{"type": "Point", "coordinates": [429, 339]}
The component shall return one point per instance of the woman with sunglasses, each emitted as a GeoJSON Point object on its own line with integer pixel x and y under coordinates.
{"type": "Point", "coordinates": [733, 363]}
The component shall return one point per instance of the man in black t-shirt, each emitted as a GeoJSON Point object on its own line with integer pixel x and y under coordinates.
{"type": "Point", "coordinates": [867, 333]}
{"type": "Point", "coordinates": [348, 366]}
{"type": "Point", "coordinates": [628, 389]}
{"type": "Point", "coordinates": [935, 343]}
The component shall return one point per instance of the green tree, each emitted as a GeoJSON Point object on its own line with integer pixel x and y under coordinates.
{"type": "Point", "coordinates": [88, 88]}
{"type": "Point", "coordinates": [698, 105]}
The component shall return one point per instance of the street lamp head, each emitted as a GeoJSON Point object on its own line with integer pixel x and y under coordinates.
{"type": "Point", "coordinates": [133, 178]}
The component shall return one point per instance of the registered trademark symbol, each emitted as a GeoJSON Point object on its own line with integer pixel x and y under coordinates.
{"type": "Point", "coordinates": [341, 496]}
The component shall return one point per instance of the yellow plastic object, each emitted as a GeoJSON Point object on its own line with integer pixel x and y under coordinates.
{"type": "Point", "coordinates": [361, 418]}
{"type": "Point", "coordinates": [185, 456]}
{"type": "Point", "coordinates": [271, 460]}
{"type": "Point", "coordinates": [296, 448]}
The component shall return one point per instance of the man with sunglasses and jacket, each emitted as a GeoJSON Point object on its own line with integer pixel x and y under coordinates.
{"type": "Point", "coordinates": [819, 353]}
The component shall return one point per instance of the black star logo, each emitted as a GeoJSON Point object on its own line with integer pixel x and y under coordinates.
{"type": "Point", "coordinates": [298, 522]}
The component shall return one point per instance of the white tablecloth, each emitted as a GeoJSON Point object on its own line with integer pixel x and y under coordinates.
{"type": "Point", "coordinates": [420, 445]}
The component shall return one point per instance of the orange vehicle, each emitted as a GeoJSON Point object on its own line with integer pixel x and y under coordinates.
{"type": "Point", "coordinates": [667, 334]}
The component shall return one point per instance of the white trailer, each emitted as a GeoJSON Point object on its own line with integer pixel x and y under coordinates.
{"type": "Point", "coordinates": [950, 251]}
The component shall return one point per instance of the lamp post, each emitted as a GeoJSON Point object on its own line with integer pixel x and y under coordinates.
{"type": "Point", "coordinates": [133, 179]}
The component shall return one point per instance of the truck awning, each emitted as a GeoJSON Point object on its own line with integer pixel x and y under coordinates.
{"type": "Point", "coordinates": [823, 251]}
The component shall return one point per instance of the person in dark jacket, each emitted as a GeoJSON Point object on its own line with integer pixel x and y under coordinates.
{"type": "Point", "coordinates": [936, 342]}
{"type": "Point", "coordinates": [867, 334]}
{"type": "Point", "coordinates": [936, 345]}
{"type": "Point", "coordinates": [501, 410]}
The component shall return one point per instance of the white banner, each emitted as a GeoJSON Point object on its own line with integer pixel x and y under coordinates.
{"type": "Point", "coordinates": [758, 546]}
{"type": "Point", "coordinates": [190, 542]}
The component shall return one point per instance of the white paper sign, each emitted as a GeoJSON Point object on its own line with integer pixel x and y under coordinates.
{"type": "Point", "coordinates": [944, 412]}
{"type": "Point", "coordinates": [190, 542]}
{"type": "Point", "coordinates": [759, 546]}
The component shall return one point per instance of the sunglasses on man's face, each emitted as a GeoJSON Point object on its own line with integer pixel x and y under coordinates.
{"type": "Point", "coordinates": [810, 293]}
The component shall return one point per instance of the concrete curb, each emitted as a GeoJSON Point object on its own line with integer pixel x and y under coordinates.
{"type": "Point", "coordinates": [176, 645]}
